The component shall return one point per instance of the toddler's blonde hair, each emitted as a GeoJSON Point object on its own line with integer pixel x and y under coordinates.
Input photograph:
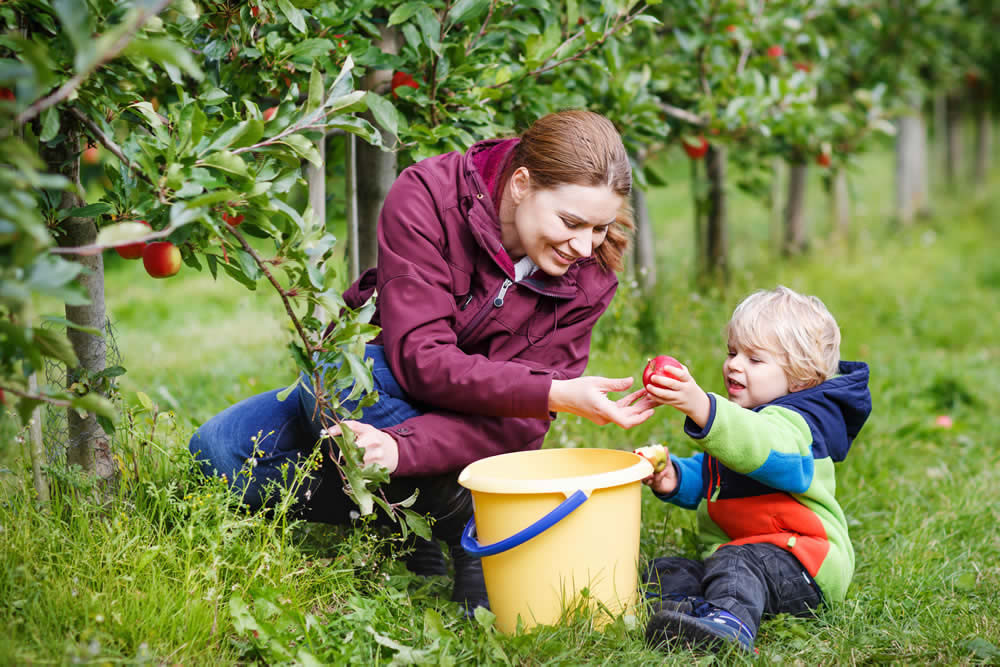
{"type": "Point", "coordinates": [796, 327]}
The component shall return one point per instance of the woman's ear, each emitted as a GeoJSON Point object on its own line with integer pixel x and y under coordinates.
{"type": "Point", "coordinates": [520, 184]}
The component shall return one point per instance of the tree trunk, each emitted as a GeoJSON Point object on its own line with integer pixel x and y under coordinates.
{"type": "Point", "coordinates": [716, 231]}
{"type": "Point", "coordinates": [953, 129]}
{"type": "Point", "coordinates": [316, 177]}
{"type": "Point", "coordinates": [88, 445]}
{"type": "Point", "coordinates": [911, 165]}
{"type": "Point", "coordinates": [644, 251]}
{"type": "Point", "coordinates": [776, 224]}
{"type": "Point", "coordinates": [796, 238]}
{"type": "Point", "coordinates": [841, 196]}
{"type": "Point", "coordinates": [940, 136]}
{"type": "Point", "coordinates": [984, 140]}
{"type": "Point", "coordinates": [376, 169]}
{"type": "Point", "coordinates": [351, 202]}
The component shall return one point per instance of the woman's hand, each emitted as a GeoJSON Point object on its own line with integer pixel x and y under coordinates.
{"type": "Point", "coordinates": [587, 397]}
{"type": "Point", "coordinates": [379, 446]}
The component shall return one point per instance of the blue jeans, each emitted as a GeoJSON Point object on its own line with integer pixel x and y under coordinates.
{"type": "Point", "coordinates": [259, 442]}
{"type": "Point", "coordinates": [750, 581]}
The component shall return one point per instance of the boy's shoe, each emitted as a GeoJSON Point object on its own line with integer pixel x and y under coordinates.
{"type": "Point", "coordinates": [684, 604]}
{"type": "Point", "coordinates": [705, 626]}
{"type": "Point", "coordinates": [426, 559]}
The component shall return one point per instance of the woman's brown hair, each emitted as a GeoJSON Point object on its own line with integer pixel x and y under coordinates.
{"type": "Point", "coordinates": [581, 148]}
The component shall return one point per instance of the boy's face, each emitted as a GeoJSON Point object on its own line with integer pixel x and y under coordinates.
{"type": "Point", "coordinates": [753, 377]}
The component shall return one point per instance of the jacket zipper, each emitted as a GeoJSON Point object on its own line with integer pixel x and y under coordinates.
{"type": "Point", "coordinates": [496, 303]}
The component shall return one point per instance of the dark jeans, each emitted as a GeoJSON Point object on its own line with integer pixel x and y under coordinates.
{"type": "Point", "coordinates": [258, 443]}
{"type": "Point", "coordinates": [751, 581]}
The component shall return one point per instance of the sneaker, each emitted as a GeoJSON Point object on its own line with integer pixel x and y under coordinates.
{"type": "Point", "coordinates": [706, 626]}
{"type": "Point", "coordinates": [684, 604]}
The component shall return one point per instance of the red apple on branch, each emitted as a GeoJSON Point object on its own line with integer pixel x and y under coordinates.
{"type": "Point", "coordinates": [695, 148]}
{"type": "Point", "coordinates": [232, 220]}
{"type": "Point", "coordinates": [269, 113]}
{"type": "Point", "coordinates": [132, 250]}
{"type": "Point", "coordinates": [91, 155]}
{"type": "Point", "coordinates": [658, 366]}
{"type": "Point", "coordinates": [162, 259]}
{"type": "Point", "coordinates": [775, 51]}
{"type": "Point", "coordinates": [6, 94]}
{"type": "Point", "coordinates": [823, 159]}
{"type": "Point", "coordinates": [402, 79]}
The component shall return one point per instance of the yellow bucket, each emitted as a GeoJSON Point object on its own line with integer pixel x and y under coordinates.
{"type": "Point", "coordinates": [550, 523]}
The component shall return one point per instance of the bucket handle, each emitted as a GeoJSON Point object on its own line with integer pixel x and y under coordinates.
{"type": "Point", "coordinates": [474, 548]}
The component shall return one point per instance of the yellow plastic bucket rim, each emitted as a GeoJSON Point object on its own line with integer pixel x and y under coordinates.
{"type": "Point", "coordinates": [641, 469]}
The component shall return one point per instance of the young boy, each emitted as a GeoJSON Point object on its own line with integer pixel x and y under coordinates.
{"type": "Point", "coordinates": [763, 485]}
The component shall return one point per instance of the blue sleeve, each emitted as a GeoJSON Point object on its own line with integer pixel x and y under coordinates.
{"type": "Point", "coordinates": [690, 482]}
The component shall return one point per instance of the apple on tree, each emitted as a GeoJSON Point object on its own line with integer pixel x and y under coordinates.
{"type": "Point", "coordinates": [775, 51]}
{"type": "Point", "coordinates": [402, 79]}
{"type": "Point", "coordinates": [162, 259]}
{"type": "Point", "coordinates": [823, 159]}
{"type": "Point", "coordinates": [132, 250]}
{"type": "Point", "coordinates": [658, 366]}
{"type": "Point", "coordinates": [695, 148]}
{"type": "Point", "coordinates": [269, 113]}
{"type": "Point", "coordinates": [655, 454]}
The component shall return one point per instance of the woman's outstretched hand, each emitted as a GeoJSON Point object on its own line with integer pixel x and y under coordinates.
{"type": "Point", "coordinates": [379, 446]}
{"type": "Point", "coordinates": [587, 397]}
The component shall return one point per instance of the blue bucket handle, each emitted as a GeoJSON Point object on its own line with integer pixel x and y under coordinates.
{"type": "Point", "coordinates": [474, 548]}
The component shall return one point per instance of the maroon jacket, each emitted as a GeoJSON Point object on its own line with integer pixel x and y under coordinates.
{"type": "Point", "coordinates": [475, 350]}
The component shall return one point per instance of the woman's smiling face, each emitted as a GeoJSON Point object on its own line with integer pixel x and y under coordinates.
{"type": "Point", "coordinates": [557, 226]}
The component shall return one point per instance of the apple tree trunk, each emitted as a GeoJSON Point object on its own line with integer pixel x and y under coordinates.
{"type": "Point", "coordinates": [88, 446]}
{"type": "Point", "coordinates": [644, 250]}
{"type": "Point", "coordinates": [940, 135]}
{"type": "Point", "coordinates": [841, 196]}
{"type": "Point", "coordinates": [351, 202]}
{"type": "Point", "coordinates": [953, 131]}
{"type": "Point", "coordinates": [716, 225]}
{"type": "Point", "coordinates": [912, 196]}
{"type": "Point", "coordinates": [796, 237]}
{"type": "Point", "coordinates": [375, 168]}
{"type": "Point", "coordinates": [984, 140]}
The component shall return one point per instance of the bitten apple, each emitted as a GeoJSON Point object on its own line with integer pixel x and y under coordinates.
{"type": "Point", "coordinates": [131, 250]}
{"type": "Point", "coordinates": [658, 366]}
{"type": "Point", "coordinates": [162, 259]}
{"type": "Point", "coordinates": [655, 454]}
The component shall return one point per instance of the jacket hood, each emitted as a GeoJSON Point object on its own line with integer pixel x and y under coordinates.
{"type": "Point", "coordinates": [835, 410]}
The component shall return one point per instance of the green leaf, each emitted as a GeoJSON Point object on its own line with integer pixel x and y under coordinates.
{"type": "Point", "coordinates": [122, 232]}
{"type": "Point", "coordinates": [144, 400]}
{"type": "Point", "coordinates": [359, 371]}
{"type": "Point", "coordinates": [384, 111]}
{"type": "Point", "coordinates": [228, 162]}
{"type": "Point", "coordinates": [417, 523]}
{"type": "Point", "coordinates": [293, 15]}
{"type": "Point", "coordinates": [88, 211]}
{"type": "Point", "coordinates": [50, 124]}
{"type": "Point", "coordinates": [404, 12]}
{"type": "Point", "coordinates": [55, 344]}
{"type": "Point", "coordinates": [464, 10]}
{"type": "Point", "coordinates": [304, 148]}
{"type": "Point", "coordinates": [97, 404]}
{"type": "Point", "coordinates": [164, 51]}
{"type": "Point", "coordinates": [315, 90]}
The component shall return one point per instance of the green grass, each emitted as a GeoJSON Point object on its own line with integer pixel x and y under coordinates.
{"type": "Point", "coordinates": [170, 573]}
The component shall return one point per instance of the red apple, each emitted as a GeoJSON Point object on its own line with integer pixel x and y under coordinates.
{"type": "Point", "coordinates": [6, 94]}
{"type": "Point", "coordinates": [162, 259]}
{"type": "Point", "coordinates": [658, 366]}
{"type": "Point", "coordinates": [730, 28]}
{"type": "Point", "coordinates": [402, 79]}
{"type": "Point", "coordinates": [132, 250]}
{"type": "Point", "coordinates": [803, 67]}
{"type": "Point", "coordinates": [655, 454]}
{"type": "Point", "coordinates": [823, 159]}
{"type": "Point", "coordinates": [775, 51]}
{"type": "Point", "coordinates": [91, 155]}
{"type": "Point", "coordinates": [232, 220]}
{"type": "Point", "coordinates": [255, 10]}
{"type": "Point", "coordinates": [696, 150]}
{"type": "Point", "coordinates": [269, 113]}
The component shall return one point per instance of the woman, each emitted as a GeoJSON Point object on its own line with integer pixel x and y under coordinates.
{"type": "Point", "coordinates": [494, 265]}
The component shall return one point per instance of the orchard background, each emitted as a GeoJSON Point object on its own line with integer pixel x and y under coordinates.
{"type": "Point", "coordinates": [842, 148]}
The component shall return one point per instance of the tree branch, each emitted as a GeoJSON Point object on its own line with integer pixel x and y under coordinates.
{"type": "Point", "coordinates": [682, 114]}
{"type": "Point", "coordinates": [107, 142]}
{"type": "Point", "coordinates": [67, 88]}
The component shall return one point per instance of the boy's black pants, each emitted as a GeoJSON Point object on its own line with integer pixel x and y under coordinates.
{"type": "Point", "coordinates": [750, 581]}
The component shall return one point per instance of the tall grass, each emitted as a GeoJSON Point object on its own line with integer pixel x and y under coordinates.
{"type": "Point", "coordinates": [171, 572]}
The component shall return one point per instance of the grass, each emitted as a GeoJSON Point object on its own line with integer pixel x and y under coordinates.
{"type": "Point", "coordinates": [170, 572]}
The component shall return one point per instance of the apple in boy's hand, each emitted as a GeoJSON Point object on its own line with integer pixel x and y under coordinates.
{"type": "Point", "coordinates": [655, 454]}
{"type": "Point", "coordinates": [658, 366]}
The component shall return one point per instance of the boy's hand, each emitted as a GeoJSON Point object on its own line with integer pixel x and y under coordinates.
{"type": "Point", "coordinates": [663, 482]}
{"type": "Point", "coordinates": [679, 389]}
